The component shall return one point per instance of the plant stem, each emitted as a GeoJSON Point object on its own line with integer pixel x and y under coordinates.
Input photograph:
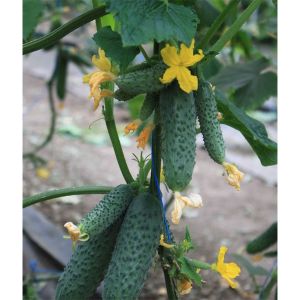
{"type": "Point", "coordinates": [108, 113]}
{"type": "Point", "coordinates": [235, 27]}
{"type": "Point", "coordinates": [80, 190]}
{"type": "Point", "coordinates": [52, 37]}
{"type": "Point", "coordinates": [218, 22]}
{"type": "Point", "coordinates": [52, 121]}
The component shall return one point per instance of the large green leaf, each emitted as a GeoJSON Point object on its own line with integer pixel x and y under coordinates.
{"type": "Point", "coordinates": [111, 43]}
{"type": "Point", "coordinates": [238, 75]}
{"type": "Point", "coordinates": [256, 92]}
{"type": "Point", "coordinates": [32, 10]}
{"type": "Point", "coordinates": [206, 12]}
{"type": "Point", "coordinates": [253, 131]}
{"type": "Point", "coordinates": [145, 20]}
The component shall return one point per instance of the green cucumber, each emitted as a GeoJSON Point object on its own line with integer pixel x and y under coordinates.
{"type": "Point", "coordinates": [135, 249]}
{"type": "Point", "coordinates": [142, 81]}
{"type": "Point", "coordinates": [178, 136]}
{"type": "Point", "coordinates": [108, 210]}
{"type": "Point", "coordinates": [207, 112]}
{"type": "Point", "coordinates": [88, 265]}
{"type": "Point", "coordinates": [264, 241]}
{"type": "Point", "coordinates": [122, 96]}
{"type": "Point", "coordinates": [148, 106]}
{"type": "Point", "coordinates": [61, 80]}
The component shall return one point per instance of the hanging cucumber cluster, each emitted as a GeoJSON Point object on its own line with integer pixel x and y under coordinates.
{"type": "Point", "coordinates": [124, 230]}
{"type": "Point", "coordinates": [178, 112]}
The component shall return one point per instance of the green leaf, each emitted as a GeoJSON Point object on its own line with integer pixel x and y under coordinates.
{"type": "Point", "coordinates": [111, 43]}
{"type": "Point", "coordinates": [134, 106]}
{"type": "Point", "coordinates": [238, 75]}
{"type": "Point", "coordinates": [253, 131]}
{"type": "Point", "coordinates": [252, 270]}
{"type": "Point", "coordinates": [206, 12]}
{"type": "Point", "coordinates": [266, 291]}
{"type": "Point", "coordinates": [145, 20]}
{"type": "Point", "coordinates": [188, 235]}
{"type": "Point", "coordinates": [32, 10]}
{"type": "Point", "coordinates": [211, 68]}
{"type": "Point", "coordinates": [255, 93]}
{"type": "Point", "coordinates": [187, 269]}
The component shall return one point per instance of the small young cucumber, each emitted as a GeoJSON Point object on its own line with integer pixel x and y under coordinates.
{"type": "Point", "coordinates": [264, 241]}
{"type": "Point", "coordinates": [142, 81]}
{"type": "Point", "coordinates": [108, 210]}
{"type": "Point", "coordinates": [135, 249]}
{"type": "Point", "coordinates": [148, 106]}
{"type": "Point", "coordinates": [61, 80]}
{"type": "Point", "coordinates": [87, 265]}
{"type": "Point", "coordinates": [178, 136]}
{"type": "Point", "coordinates": [206, 108]}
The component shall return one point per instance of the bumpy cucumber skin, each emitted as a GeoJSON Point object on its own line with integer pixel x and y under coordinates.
{"type": "Point", "coordinates": [206, 108]}
{"type": "Point", "coordinates": [143, 81]}
{"type": "Point", "coordinates": [62, 76]}
{"type": "Point", "coordinates": [108, 210]}
{"type": "Point", "coordinates": [135, 249]}
{"type": "Point", "coordinates": [123, 96]}
{"type": "Point", "coordinates": [264, 241]}
{"type": "Point", "coordinates": [178, 140]}
{"type": "Point", "coordinates": [87, 265]}
{"type": "Point", "coordinates": [148, 106]}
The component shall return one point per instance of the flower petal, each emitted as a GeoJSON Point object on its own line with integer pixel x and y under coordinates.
{"type": "Point", "coordinates": [177, 210]}
{"type": "Point", "coordinates": [194, 200]}
{"type": "Point", "coordinates": [221, 256]}
{"type": "Point", "coordinates": [102, 63]}
{"type": "Point", "coordinates": [231, 283]}
{"type": "Point", "coordinates": [170, 56]}
{"type": "Point", "coordinates": [186, 80]}
{"type": "Point", "coordinates": [232, 270]}
{"type": "Point", "coordinates": [187, 56]}
{"type": "Point", "coordinates": [169, 75]}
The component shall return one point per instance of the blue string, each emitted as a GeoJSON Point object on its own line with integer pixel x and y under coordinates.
{"type": "Point", "coordinates": [159, 194]}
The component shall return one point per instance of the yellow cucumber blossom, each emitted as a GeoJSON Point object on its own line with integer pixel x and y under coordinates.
{"type": "Point", "coordinates": [178, 66]}
{"type": "Point", "coordinates": [228, 271]}
{"type": "Point", "coordinates": [194, 200]}
{"type": "Point", "coordinates": [234, 176]}
{"type": "Point", "coordinates": [73, 230]}
{"type": "Point", "coordinates": [184, 286]}
{"type": "Point", "coordinates": [96, 78]}
{"type": "Point", "coordinates": [42, 172]}
{"type": "Point", "coordinates": [132, 127]}
{"type": "Point", "coordinates": [163, 243]}
{"type": "Point", "coordinates": [144, 136]}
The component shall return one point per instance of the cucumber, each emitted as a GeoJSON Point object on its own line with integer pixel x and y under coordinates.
{"type": "Point", "coordinates": [264, 241]}
{"type": "Point", "coordinates": [62, 69]}
{"type": "Point", "coordinates": [123, 96]}
{"type": "Point", "coordinates": [142, 81]}
{"type": "Point", "coordinates": [178, 136]}
{"type": "Point", "coordinates": [87, 265]}
{"type": "Point", "coordinates": [135, 249]}
{"type": "Point", "coordinates": [206, 108]}
{"type": "Point", "coordinates": [108, 210]}
{"type": "Point", "coordinates": [148, 106]}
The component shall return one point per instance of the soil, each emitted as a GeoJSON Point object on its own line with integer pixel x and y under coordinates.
{"type": "Point", "coordinates": [228, 217]}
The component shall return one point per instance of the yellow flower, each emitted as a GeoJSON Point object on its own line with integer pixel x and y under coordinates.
{"type": "Point", "coordinates": [144, 136]}
{"type": "Point", "coordinates": [96, 78]}
{"type": "Point", "coordinates": [163, 243]}
{"type": "Point", "coordinates": [228, 271]}
{"type": "Point", "coordinates": [73, 230]}
{"type": "Point", "coordinates": [132, 127]}
{"type": "Point", "coordinates": [42, 172]}
{"type": "Point", "coordinates": [178, 66]}
{"type": "Point", "coordinates": [234, 176]}
{"type": "Point", "coordinates": [184, 286]}
{"type": "Point", "coordinates": [194, 200]}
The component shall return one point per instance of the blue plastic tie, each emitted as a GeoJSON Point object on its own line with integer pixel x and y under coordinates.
{"type": "Point", "coordinates": [159, 194]}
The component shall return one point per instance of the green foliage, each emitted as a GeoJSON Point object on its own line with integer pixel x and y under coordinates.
{"type": "Point", "coordinates": [87, 265]}
{"type": "Point", "coordinates": [253, 131]}
{"type": "Point", "coordinates": [32, 10]}
{"type": "Point", "coordinates": [148, 106]}
{"type": "Point", "coordinates": [263, 241]}
{"type": "Point", "coordinates": [135, 249]}
{"type": "Point", "coordinates": [206, 12]}
{"type": "Point", "coordinates": [145, 20]}
{"type": "Point", "coordinates": [251, 269]}
{"type": "Point", "coordinates": [178, 135]}
{"type": "Point", "coordinates": [206, 108]}
{"type": "Point", "coordinates": [111, 42]}
{"type": "Point", "coordinates": [189, 270]}
{"type": "Point", "coordinates": [249, 87]}
{"type": "Point", "coordinates": [134, 106]}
